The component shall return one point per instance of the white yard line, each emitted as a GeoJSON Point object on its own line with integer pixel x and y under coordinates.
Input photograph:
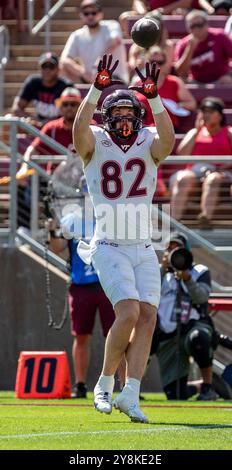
{"type": "Point", "coordinates": [116, 431]}
{"type": "Point", "coordinates": [91, 433]}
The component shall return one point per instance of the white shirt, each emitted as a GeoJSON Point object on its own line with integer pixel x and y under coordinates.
{"type": "Point", "coordinates": [228, 26]}
{"type": "Point", "coordinates": [91, 47]}
{"type": "Point", "coordinates": [121, 183]}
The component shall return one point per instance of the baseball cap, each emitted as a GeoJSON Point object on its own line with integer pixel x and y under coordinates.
{"type": "Point", "coordinates": [48, 57]}
{"type": "Point", "coordinates": [69, 94]}
{"type": "Point", "coordinates": [90, 3]}
{"type": "Point", "coordinates": [213, 103]}
{"type": "Point", "coordinates": [180, 238]}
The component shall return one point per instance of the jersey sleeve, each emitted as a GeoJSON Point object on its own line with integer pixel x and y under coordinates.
{"type": "Point", "coordinates": [98, 132]}
{"type": "Point", "coordinates": [150, 134]}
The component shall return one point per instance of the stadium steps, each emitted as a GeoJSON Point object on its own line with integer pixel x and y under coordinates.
{"type": "Point", "coordinates": [225, 223]}
{"type": "Point", "coordinates": [217, 237]}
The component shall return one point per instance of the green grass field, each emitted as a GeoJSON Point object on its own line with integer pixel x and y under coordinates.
{"type": "Point", "coordinates": [74, 424]}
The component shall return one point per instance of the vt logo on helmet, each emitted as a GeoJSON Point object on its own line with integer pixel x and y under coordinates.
{"type": "Point", "coordinates": [122, 114]}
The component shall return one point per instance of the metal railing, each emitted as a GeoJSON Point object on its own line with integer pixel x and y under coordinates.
{"type": "Point", "coordinates": [50, 12]}
{"type": "Point", "coordinates": [12, 149]}
{"type": "Point", "coordinates": [4, 57]}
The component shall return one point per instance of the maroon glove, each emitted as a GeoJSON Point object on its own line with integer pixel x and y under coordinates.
{"type": "Point", "coordinates": [103, 78]}
{"type": "Point", "coordinates": [149, 82]}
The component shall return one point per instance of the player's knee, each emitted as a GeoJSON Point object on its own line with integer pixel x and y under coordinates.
{"type": "Point", "coordinates": [148, 315]}
{"type": "Point", "coordinates": [128, 312]}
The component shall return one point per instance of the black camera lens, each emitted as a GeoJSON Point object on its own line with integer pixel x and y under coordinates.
{"type": "Point", "coordinates": [181, 259]}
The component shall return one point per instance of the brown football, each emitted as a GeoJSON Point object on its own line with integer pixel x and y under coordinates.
{"type": "Point", "coordinates": [146, 32]}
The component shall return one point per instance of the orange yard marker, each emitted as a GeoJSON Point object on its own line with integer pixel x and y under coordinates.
{"type": "Point", "coordinates": [43, 374]}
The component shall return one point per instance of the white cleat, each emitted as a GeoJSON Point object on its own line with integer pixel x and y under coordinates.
{"type": "Point", "coordinates": [131, 409]}
{"type": "Point", "coordinates": [102, 401]}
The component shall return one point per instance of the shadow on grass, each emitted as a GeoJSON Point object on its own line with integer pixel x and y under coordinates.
{"type": "Point", "coordinates": [195, 426]}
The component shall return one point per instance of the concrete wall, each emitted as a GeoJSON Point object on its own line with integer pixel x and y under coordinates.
{"type": "Point", "coordinates": [24, 320]}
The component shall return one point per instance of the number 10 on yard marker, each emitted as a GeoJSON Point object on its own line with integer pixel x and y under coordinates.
{"type": "Point", "coordinates": [43, 374]}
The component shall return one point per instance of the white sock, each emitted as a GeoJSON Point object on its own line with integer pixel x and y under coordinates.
{"type": "Point", "coordinates": [132, 386]}
{"type": "Point", "coordinates": [106, 382]}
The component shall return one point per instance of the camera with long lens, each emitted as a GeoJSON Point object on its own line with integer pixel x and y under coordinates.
{"type": "Point", "coordinates": [222, 340]}
{"type": "Point", "coordinates": [180, 259]}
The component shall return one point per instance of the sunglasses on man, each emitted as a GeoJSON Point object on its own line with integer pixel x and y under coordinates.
{"type": "Point", "coordinates": [48, 66]}
{"type": "Point", "coordinates": [71, 104]}
{"type": "Point", "coordinates": [90, 13]}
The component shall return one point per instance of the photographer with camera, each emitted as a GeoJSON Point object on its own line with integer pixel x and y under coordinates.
{"type": "Point", "coordinates": [184, 327]}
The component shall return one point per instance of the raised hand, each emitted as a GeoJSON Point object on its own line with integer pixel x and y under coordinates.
{"type": "Point", "coordinates": [103, 78]}
{"type": "Point", "coordinates": [149, 83]}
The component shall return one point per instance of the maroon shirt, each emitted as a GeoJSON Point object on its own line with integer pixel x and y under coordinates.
{"type": "Point", "coordinates": [58, 131]}
{"type": "Point", "coordinates": [211, 57]}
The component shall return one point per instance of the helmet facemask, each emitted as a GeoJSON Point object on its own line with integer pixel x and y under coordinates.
{"type": "Point", "coordinates": [125, 130]}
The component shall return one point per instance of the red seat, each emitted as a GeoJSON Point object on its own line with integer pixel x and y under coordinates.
{"type": "Point", "coordinates": [219, 91]}
{"type": "Point", "coordinates": [188, 122]}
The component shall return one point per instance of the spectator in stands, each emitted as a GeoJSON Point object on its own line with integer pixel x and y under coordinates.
{"type": "Point", "coordinates": [211, 136]}
{"type": "Point", "coordinates": [175, 96]}
{"type": "Point", "coordinates": [166, 7]}
{"type": "Point", "coordinates": [196, 328]}
{"type": "Point", "coordinates": [87, 44]}
{"type": "Point", "coordinates": [204, 54]}
{"type": "Point", "coordinates": [61, 131]}
{"type": "Point", "coordinates": [43, 90]}
{"type": "Point", "coordinates": [222, 7]}
{"type": "Point", "coordinates": [7, 9]}
{"type": "Point", "coordinates": [139, 7]}
{"type": "Point", "coordinates": [86, 296]}
{"type": "Point", "coordinates": [138, 55]}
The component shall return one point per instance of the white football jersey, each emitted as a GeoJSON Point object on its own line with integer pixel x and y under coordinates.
{"type": "Point", "coordinates": [121, 182]}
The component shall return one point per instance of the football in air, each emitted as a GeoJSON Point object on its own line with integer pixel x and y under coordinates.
{"type": "Point", "coordinates": [145, 32]}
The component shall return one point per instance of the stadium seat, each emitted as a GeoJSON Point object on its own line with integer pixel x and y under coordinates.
{"type": "Point", "coordinates": [188, 122]}
{"type": "Point", "coordinates": [220, 91]}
